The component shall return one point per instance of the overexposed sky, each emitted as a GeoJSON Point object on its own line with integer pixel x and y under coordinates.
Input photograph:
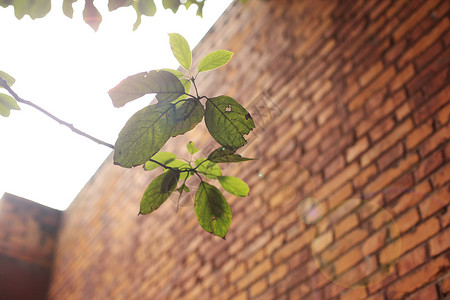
{"type": "Point", "coordinates": [65, 67]}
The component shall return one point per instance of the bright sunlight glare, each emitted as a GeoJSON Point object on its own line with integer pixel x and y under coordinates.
{"type": "Point", "coordinates": [65, 67]}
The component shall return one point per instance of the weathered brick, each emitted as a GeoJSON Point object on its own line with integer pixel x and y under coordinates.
{"type": "Point", "coordinates": [437, 82]}
{"type": "Point", "coordinates": [411, 260]}
{"type": "Point", "coordinates": [440, 243]}
{"type": "Point", "coordinates": [429, 164]}
{"type": "Point", "coordinates": [428, 292]}
{"type": "Point", "coordinates": [403, 77]}
{"type": "Point", "coordinates": [419, 278]}
{"type": "Point", "coordinates": [444, 115]}
{"type": "Point", "coordinates": [371, 73]}
{"type": "Point", "coordinates": [343, 176]}
{"type": "Point", "coordinates": [254, 274]}
{"type": "Point", "coordinates": [441, 177]}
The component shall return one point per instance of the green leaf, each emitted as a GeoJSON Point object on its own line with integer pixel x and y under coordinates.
{"type": "Point", "coordinates": [144, 134]}
{"type": "Point", "coordinates": [208, 168]}
{"type": "Point", "coordinates": [227, 121]}
{"type": "Point", "coordinates": [181, 50]}
{"type": "Point", "coordinates": [234, 185]}
{"type": "Point", "coordinates": [115, 4]}
{"type": "Point", "coordinates": [187, 115]}
{"type": "Point", "coordinates": [171, 4]}
{"type": "Point", "coordinates": [191, 148]}
{"type": "Point", "coordinates": [6, 104]}
{"type": "Point", "coordinates": [8, 78]}
{"type": "Point", "coordinates": [39, 8]}
{"type": "Point", "coordinates": [166, 85]}
{"type": "Point", "coordinates": [212, 210]}
{"type": "Point", "coordinates": [158, 191]}
{"type": "Point", "coordinates": [223, 155]}
{"type": "Point", "coordinates": [214, 60]}
{"type": "Point", "coordinates": [162, 157]}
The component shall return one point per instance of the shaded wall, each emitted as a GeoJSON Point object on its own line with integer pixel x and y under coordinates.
{"type": "Point", "coordinates": [349, 196]}
{"type": "Point", "coordinates": [27, 241]}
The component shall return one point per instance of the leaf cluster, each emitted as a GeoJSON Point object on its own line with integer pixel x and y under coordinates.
{"type": "Point", "coordinates": [40, 8]}
{"type": "Point", "coordinates": [176, 112]}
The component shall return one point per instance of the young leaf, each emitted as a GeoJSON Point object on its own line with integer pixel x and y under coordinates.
{"type": "Point", "coordinates": [115, 4]}
{"type": "Point", "coordinates": [158, 191]}
{"type": "Point", "coordinates": [223, 155]}
{"type": "Point", "coordinates": [212, 210]}
{"type": "Point", "coordinates": [207, 168]}
{"type": "Point", "coordinates": [8, 78]}
{"type": "Point", "coordinates": [227, 121]}
{"type": "Point", "coordinates": [172, 4]}
{"type": "Point", "coordinates": [214, 60]}
{"type": "Point", "coordinates": [181, 50]}
{"type": "Point", "coordinates": [191, 148]}
{"type": "Point", "coordinates": [182, 166]}
{"type": "Point", "coordinates": [144, 134]}
{"type": "Point", "coordinates": [166, 86]}
{"type": "Point", "coordinates": [146, 7]}
{"type": "Point", "coordinates": [162, 157]}
{"type": "Point", "coordinates": [234, 185]}
{"type": "Point", "coordinates": [187, 116]}
{"type": "Point", "coordinates": [174, 72]}
{"type": "Point", "coordinates": [6, 104]}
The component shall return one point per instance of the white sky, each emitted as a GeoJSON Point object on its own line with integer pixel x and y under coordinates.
{"type": "Point", "coordinates": [67, 68]}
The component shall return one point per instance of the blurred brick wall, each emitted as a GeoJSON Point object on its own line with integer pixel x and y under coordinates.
{"type": "Point", "coordinates": [349, 197]}
{"type": "Point", "coordinates": [27, 241]}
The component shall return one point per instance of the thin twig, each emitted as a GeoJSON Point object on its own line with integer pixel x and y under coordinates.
{"type": "Point", "coordinates": [29, 103]}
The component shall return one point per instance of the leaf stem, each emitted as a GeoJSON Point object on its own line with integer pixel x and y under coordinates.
{"type": "Point", "coordinates": [48, 114]}
{"type": "Point", "coordinates": [195, 86]}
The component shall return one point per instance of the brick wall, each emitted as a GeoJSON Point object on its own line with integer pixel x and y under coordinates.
{"type": "Point", "coordinates": [27, 241]}
{"type": "Point", "coordinates": [349, 197]}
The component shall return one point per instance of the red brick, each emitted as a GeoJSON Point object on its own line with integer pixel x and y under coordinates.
{"type": "Point", "coordinates": [430, 71]}
{"type": "Point", "coordinates": [441, 177]}
{"type": "Point", "coordinates": [334, 166]}
{"type": "Point", "coordinates": [374, 242]}
{"type": "Point", "coordinates": [402, 111]}
{"type": "Point", "coordinates": [434, 203]}
{"type": "Point", "coordinates": [354, 294]}
{"type": "Point", "coordinates": [414, 18]}
{"type": "Point", "coordinates": [424, 42]}
{"type": "Point", "coordinates": [423, 232]}
{"type": "Point", "coordinates": [428, 55]}
{"type": "Point", "coordinates": [404, 76]}
{"type": "Point", "coordinates": [428, 110]}
{"type": "Point", "coordinates": [381, 129]}
{"type": "Point", "coordinates": [390, 156]}
{"type": "Point", "coordinates": [398, 133]}
{"type": "Point", "coordinates": [440, 243]}
{"type": "Point", "coordinates": [444, 115]}
{"type": "Point", "coordinates": [367, 76]}
{"type": "Point", "coordinates": [346, 225]}
{"type": "Point", "coordinates": [364, 176]}
{"type": "Point", "coordinates": [395, 51]}
{"type": "Point", "coordinates": [395, 7]}
{"type": "Point", "coordinates": [343, 176]}
{"type": "Point", "coordinates": [359, 147]}
{"type": "Point", "coordinates": [419, 278]}
{"type": "Point", "coordinates": [428, 292]}
{"type": "Point", "coordinates": [419, 134]}
{"type": "Point", "coordinates": [411, 260]}
{"type": "Point", "coordinates": [437, 82]}
{"type": "Point", "coordinates": [407, 220]}
{"type": "Point", "coordinates": [429, 164]}
{"type": "Point", "coordinates": [438, 138]}
{"type": "Point", "coordinates": [255, 273]}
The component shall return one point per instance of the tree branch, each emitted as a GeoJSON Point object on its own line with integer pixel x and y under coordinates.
{"type": "Point", "coordinates": [29, 103]}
